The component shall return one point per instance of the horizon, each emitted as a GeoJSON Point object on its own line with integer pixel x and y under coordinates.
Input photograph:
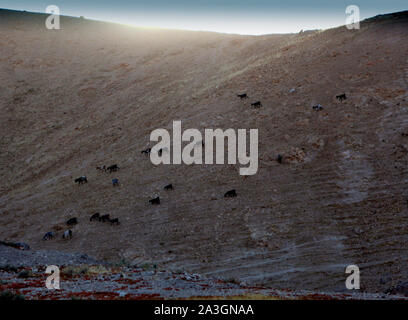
{"type": "Point", "coordinates": [261, 17]}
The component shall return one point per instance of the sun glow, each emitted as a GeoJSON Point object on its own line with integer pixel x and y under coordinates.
{"type": "Point", "coordinates": [236, 24]}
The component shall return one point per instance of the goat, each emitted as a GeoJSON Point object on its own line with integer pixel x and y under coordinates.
{"type": "Point", "coordinates": [95, 216]}
{"type": "Point", "coordinates": [112, 168]}
{"type": "Point", "coordinates": [155, 200]}
{"type": "Point", "coordinates": [318, 107]}
{"type": "Point", "coordinates": [81, 180]}
{"type": "Point", "coordinates": [48, 236]}
{"type": "Point", "coordinates": [113, 221]}
{"type": "Point", "coordinates": [72, 221]}
{"type": "Point", "coordinates": [256, 104]}
{"type": "Point", "coordinates": [231, 193]}
{"type": "Point", "coordinates": [341, 97]}
{"type": "Point", "coordinates": [67, 234]}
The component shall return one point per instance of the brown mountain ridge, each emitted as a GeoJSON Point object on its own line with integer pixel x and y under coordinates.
{"type": "Point", "coordinates": [91, 93]}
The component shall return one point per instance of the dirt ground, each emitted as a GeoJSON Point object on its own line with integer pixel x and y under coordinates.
{"type": "Point", "coordinates": [23, 275]}
{"type": "Point", "coordinates": [91, 93]}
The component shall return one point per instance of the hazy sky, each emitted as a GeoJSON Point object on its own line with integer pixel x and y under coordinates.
{"type": "Point", "coordinates": [232, 16]}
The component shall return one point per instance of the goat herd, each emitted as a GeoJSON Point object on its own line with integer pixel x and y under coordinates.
{"type": "Point", "coordinates": [106, 218]}
{"type": "Point", "coordinates": [155, 201]}
{"type": "Point", "coordinates": [256, 104]}
{"type": "Point", "coordinates": [318, 107]}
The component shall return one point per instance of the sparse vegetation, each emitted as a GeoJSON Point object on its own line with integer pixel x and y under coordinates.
{"type": "Point", "coordinates": [233, 281]}
{"type": "Point", "coordinates": [24, 274]}
{"type": "Point", "coordinates": [8, 268]}
{"type": "Point", "coordinates": [80, 270]}
{"type": "Point", "coordinates": [8, 295]}
{"type": "Point", "coordinates": [149, 267]}
{"type": "Point", "coordinates": [124, 263]}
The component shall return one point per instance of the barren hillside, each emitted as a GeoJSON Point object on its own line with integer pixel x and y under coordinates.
{"type": "Point", "coordinates": [91, 93]}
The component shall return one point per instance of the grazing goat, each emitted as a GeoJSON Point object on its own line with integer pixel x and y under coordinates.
{"type": "Point", "coordinates": [242, 96]}
{"type": "Point", "coordinates": [81, 180]}
{"type": "Point", "coordinates": [256, 104]}
{"type": "Point", "coordinates": [318, 107]}
{"type": "Point", "coordinates": [168, 187]}
{"type": "Point", "coordinates": [95, 216]}
{"type": "Point", "coordinates": [112, 168]}
{"type": "Point", "coordinates": [155, 200]}
{"type": "Point", "coordinates": [67, 234]}
{"type": "Point", "coordinates": [147, 151]}
{"type": "Point", "coordinates": [101, 168]}
{"type": "Point", "coordinates": [113, 221]}
{"type": "Point", "coordinates": [104, 218]}
{"type": "Point", "coordinates": [231, 193]}
{"type": "Point", "coordinates": [341, 97]}
{"type": "Point", "coordinates": [72, 221]}
{"type": "Point", "coordinates": [48, 236]}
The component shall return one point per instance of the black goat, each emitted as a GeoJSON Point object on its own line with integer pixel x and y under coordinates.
{"type": "Point", "coordinates": [81, 180]}
{"type": "Point", "coordinates": [95, 216]}
{"type": "Point", "coordinates": [256, 104]}
{"type": "Point", "coordinates": [341, 97]}
{"type": "Point", "coordinates": [48, 236]}
{"type": "Point", "coordinates": [231, 193]}
{"type": "Point", "coordinates": [155, 200]}
{"type": "Point", "coordinates": [113, 221]}
{"type": "Point", "coordinates": [112, 168]}
{"type": "Point", "coordinates": [72, 221]}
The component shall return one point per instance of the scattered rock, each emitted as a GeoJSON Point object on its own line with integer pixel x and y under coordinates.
{"type": "Point", "coordinates": [295, 155]}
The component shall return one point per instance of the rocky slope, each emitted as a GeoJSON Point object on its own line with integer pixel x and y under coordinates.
{"type": "Point", "coordinates": [23, 276]}
{"type": "Point", "coordinates": [91, 93]}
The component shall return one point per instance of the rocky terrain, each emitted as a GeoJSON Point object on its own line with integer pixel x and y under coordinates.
{"type": "Point", "coordinates": [91, 93]}
{"type": "Point", "coordinates": [23, 276]}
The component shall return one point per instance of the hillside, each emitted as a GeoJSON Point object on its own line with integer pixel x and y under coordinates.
{"type": "Point", "coordinates": [91, 93]}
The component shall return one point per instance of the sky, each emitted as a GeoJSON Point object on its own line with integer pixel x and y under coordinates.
{"type": "Point", "coordinates": [228, 16]}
